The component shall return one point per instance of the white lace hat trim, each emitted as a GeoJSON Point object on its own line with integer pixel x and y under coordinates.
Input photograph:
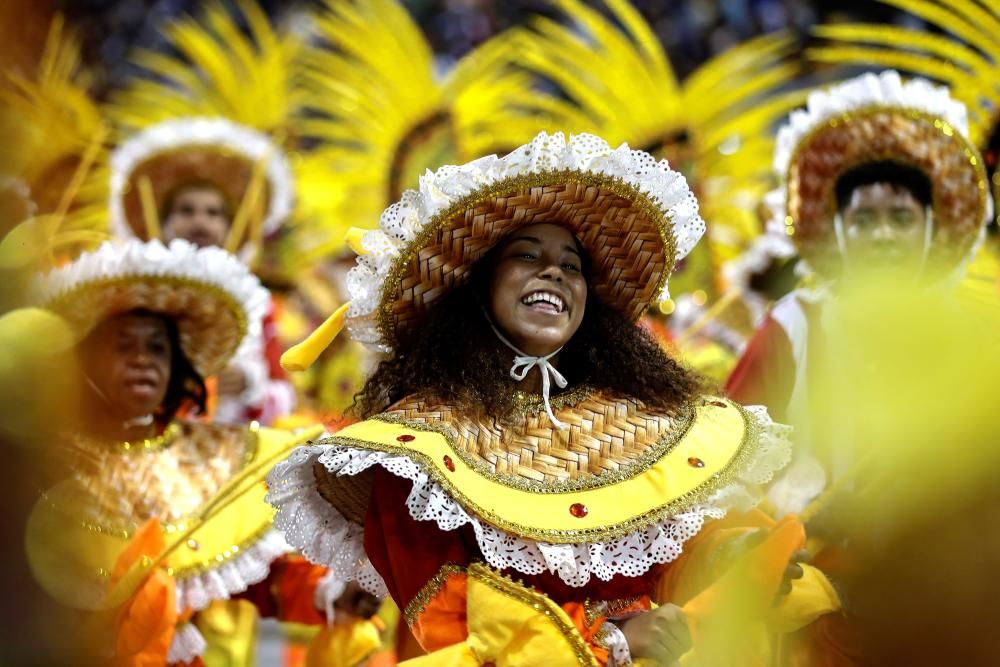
{"type": "Point", "coordinates": [179, 133]}
{"type": "Point", "coordinates": [885, 90]}
{"type": "Point", "coordinates": [401, 223]}
{"type": "Point", "coordinates": [323, 535]}
{"type": "Point", "coordinates": [213, 267]}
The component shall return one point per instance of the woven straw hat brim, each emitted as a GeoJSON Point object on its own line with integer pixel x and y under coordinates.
{"type": "Point", "coordinates": [628, 239]}
{"type": "Point", "coordinates": [229, 172]}
{"type": "Point", "coordinates": [210, 322]}
{"type": "Point", "coordinates": [869, 135]}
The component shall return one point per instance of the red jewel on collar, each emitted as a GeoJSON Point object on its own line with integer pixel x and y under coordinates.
{"type": "Point", "coordinates": [579, 510]}
{"type": "Point", "coordinates": [448, 463]}
{"type": "Point", "coordinates": [406, 438]}
{"type": "Point", "coordinates": [695, 462]}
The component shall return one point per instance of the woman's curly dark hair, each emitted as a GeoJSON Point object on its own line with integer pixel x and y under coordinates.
{"type": "Point", "coordinates": [456, 357]}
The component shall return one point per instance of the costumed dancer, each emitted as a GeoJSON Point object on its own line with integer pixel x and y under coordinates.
{"type": "Point", "coordinates": [201, 154]}
{"type": "Point", "coordinates": [877, 174]}
{"type": "Point", "coordinates": [153, 321]}
{"type": "Point", "coordinates": [714, 127]}
{"type": "Point", "coordinates": [960, 48]}
{"type": "Point", "coordinates": [523, 427]}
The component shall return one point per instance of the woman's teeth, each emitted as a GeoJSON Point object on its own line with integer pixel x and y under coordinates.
{"type": "Point", "coordinates": [551, 302]}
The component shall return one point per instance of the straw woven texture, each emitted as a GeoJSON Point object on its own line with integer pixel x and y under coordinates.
{"type": "Point", "coordinates": [604, 435]}
{"type": "Point", "coordinates": [229, 172]}
{"type": "Point", "coordinates": [845, 143]}
{"type": "Point", "coordinates": [624, 245]}
{"type": "Point", "coordinates": [211, 323]}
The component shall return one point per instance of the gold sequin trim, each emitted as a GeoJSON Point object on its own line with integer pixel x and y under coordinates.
{"type": "Point", "coordinates": [729, 474]}
{"type": "Point", "coordinates": [540, 603]}
{"type": "Point", "coordinates": [125, 532]}
{"type": "Point", "coordinates": [218, 560]}
{"type": "Point", "coordinates": [525, 403]}
{"type": "Point", "coordinates": [506, 187]}
{"type": "Point", "coordinates": [161, 441]}
{"type": "Point", "coordinates": [653, 454]}
{"type": "Point", "coordinates": [429, 591]}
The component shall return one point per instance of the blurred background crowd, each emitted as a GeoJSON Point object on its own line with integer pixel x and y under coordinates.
{"type": "Point", "coordinates": [691, 30]}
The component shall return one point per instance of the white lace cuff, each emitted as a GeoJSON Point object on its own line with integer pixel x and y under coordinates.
{"type": "Point", "coordinates": [612, 638]}
{"type": "Point", "coordinates": [251, 566]}
{"type": "Point", "coordinates": [186, 645]}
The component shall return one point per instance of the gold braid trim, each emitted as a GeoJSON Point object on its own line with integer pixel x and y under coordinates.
{"type": "Point", "coordinates": [429, 591]}
{"type": "Point", "coordinates": [729, 474]}
{"type": "Point", "coordinates": [541, 603]}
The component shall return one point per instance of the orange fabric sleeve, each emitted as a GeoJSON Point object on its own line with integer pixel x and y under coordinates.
{"type": "Point", "coordinates": [702, 561]}
{"type": "Point", "coordinates": [441, 620]}
{"type": "Point", "coordinates": [588, 630]}
{"type": "Point", "coordinates": [289, 591]}
{"type": "Point", "coordinates": [293, 585]}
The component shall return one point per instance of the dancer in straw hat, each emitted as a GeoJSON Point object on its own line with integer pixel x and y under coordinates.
{"type": "Point", "coordinates": [534, 475]}
{"type": "Point", "coordinates": [153, 321]}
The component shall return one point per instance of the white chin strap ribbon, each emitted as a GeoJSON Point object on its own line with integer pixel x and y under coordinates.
{"type": "Point", "coordinates": [525, 362]}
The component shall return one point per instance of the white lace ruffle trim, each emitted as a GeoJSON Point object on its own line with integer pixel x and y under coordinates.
{"type": "Point", "coordinates": [187, 644]}
{"type": "Point", "coordinates": [885, 89]}
{"type": "Point", "coordinates": [235, 575]}
{"type": "Point", "coordinates": [220, 134]}
{"type": "Point", "coordinates": [323, 535]}
{"type": "Point", "coordinates": [212, 267]}
{"type": "Point", "coordinates": [401, 223]}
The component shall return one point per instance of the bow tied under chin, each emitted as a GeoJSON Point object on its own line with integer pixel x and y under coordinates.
{"type": "Point", "coordinates": [523, 363]}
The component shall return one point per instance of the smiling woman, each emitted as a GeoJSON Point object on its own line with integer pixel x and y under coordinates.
{"type": "Point", "coordinates": [523, 425]}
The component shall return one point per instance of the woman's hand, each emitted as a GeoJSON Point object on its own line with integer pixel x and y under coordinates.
{"type": "Point", "coordinates": [792, 572]}
{"type": "Point", "coordinates": [660, 635]}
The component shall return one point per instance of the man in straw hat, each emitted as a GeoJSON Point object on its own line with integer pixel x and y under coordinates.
{"type": "Point", "coordinates": [879, 184]}
{"type": "Point", "coordinates": [534, 475]}
{"type": "Point", "coordinates": [153, 321]}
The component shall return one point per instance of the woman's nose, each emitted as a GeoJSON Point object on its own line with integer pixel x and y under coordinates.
{"type": "Point", "coordinates": [552, 272]}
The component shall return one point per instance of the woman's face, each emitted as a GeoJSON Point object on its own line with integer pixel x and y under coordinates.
{"type": "Point", "coordinates": [538, 292]}
{"type": "Point", "coordinates": [128, 357]}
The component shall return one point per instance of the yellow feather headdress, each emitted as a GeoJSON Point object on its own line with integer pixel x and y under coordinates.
{"type": "Point", "coordinates": [220, 106]}
{"type": "Point", "coordinates": [715, 125]}
{"type": "Point", "coordinates": [383, 117]}
{"type": "Point", "coordinates": [52, 132]}
{"type": "Point", "coordinates": [48, 121]}
{"type": "Point", "coordinates": [963, 53]}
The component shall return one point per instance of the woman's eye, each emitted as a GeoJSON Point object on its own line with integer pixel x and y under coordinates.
{"type": "Point", "coordinates": [571, 267]}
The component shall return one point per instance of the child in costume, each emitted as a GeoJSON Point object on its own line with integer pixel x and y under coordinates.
{"type": "Point", "coordinates": [153, 321]}
{"type": "Point", "coordinates": [523, 426]}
